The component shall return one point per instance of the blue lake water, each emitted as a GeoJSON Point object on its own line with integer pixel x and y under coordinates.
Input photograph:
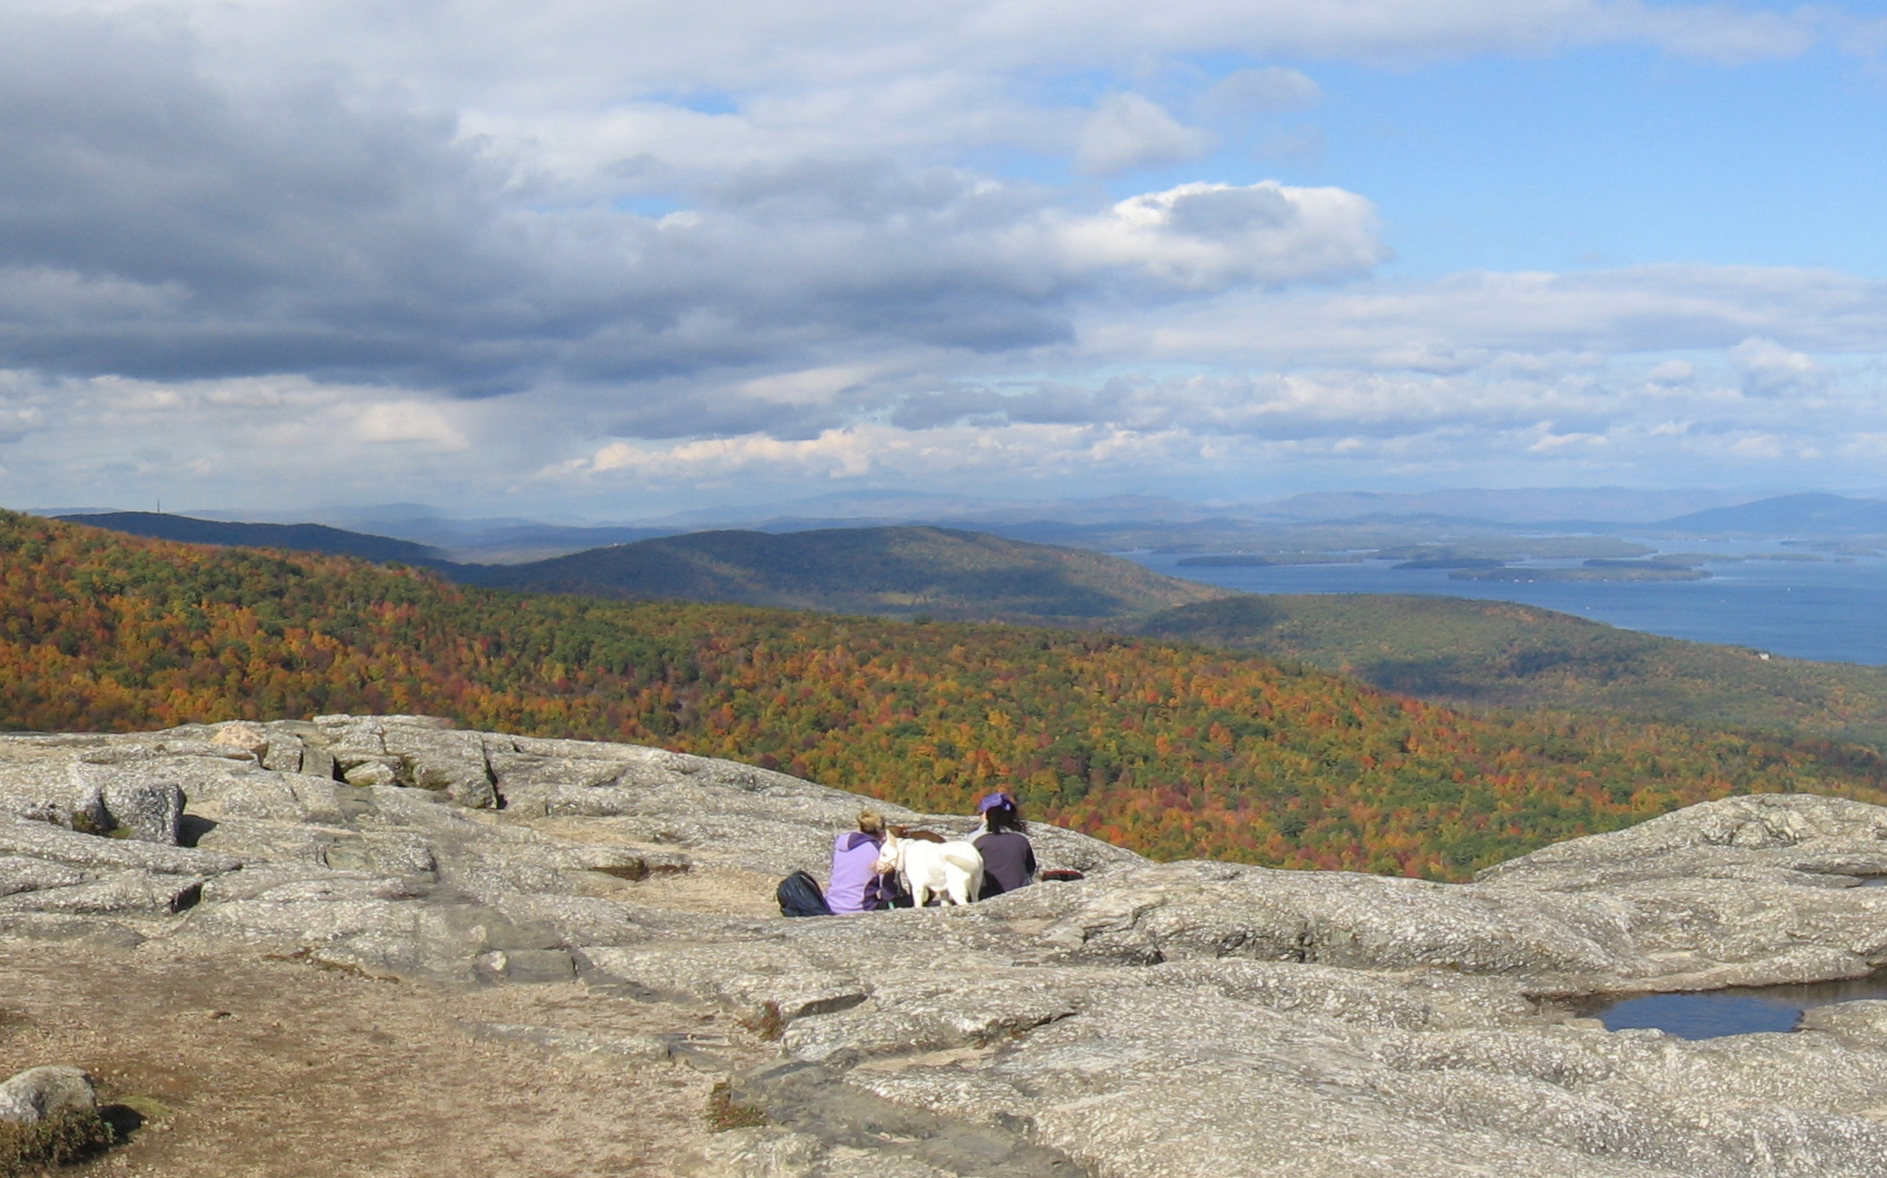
{"type": "Point", "coordinates": [1833, 610]}
{"type": "Point", "coordinates": [1714, 1013]}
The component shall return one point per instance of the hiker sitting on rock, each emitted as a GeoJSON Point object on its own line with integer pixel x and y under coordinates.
{"type": "Point", "coordinates": [856, 887]}
{"type": "Point", "coordinates": [1008, 856]}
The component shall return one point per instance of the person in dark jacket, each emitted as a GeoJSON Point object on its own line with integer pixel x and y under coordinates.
{"type": "Point", "coordinates": [1008, 856]}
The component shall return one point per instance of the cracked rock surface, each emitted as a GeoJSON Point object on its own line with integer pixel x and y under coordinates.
{"type": "Point", "coordinates": [1166, 1020]}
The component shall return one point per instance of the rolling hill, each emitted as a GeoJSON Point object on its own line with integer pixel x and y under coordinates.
{"type": "Point", "coordinates": [1808, 514]}
{"type": "Point", "coordinates": [898, 571]}
{"type": "Point", "coordinates": [293, 537]}
{"type": "Point", "coordinates": [1458, 652]}
{"type": "Point", "coordinates": [907, 571]}
{"type": "Point", "coordinates": [1500, 654]}
{"type": "Point", "coordinates": [1172, 749]}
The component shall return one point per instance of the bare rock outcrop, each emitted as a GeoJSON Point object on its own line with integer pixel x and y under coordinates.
{"type": "Point", "coordinates": [1171, 1019]}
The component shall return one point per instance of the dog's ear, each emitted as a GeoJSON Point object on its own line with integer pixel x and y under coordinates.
{"type": "Point", "coordinates": [898, 831]}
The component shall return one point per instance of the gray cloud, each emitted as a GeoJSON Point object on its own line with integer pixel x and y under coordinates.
{"type": "Point", "coordinates": [1128, 131]}
{"type": "Point", "coordinates": [243, 240]}
{"type": "Point", "coordinates": [159, 225]}
{"type": "Point", "coordinates": [1245, 93]}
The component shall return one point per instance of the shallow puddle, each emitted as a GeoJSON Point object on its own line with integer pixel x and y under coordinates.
{"type": "Point", "coordinates": [1709, 1014]}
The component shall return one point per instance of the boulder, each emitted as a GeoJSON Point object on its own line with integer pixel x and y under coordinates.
{"type": "Point", "coordinates": [148, 810]}
{"type": "Point", "coordinates": [38, 1093]}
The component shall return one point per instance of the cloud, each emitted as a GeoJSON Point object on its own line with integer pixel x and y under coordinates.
{"type": "Point", "coordinates": [1770, 370]}
{"type": "Point", "coordinates": [1639, 309]}
{"type": "Point", "coordinates": [407, 421]}
{"type": "Point", "coordinates": [468, 241]}
{"type": "Point", "coordinates": [1128, 131]}
{"type": "Point", "coordinates": [576, 52]}
{"type": "Point", "coordinates": [1035, 453]}
{"type": "Point", "coordinates": [1207, 237]}
{"type": "Point", "coordinates": [1244, 93]}
{"type": "Point", "coordinates": [168, 227]}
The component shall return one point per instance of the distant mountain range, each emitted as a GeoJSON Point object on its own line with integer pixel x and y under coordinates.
{"type": "Point", "coordinates": [1808, 514]}
{"type": "Point", "coordinates": [899, 571]}
{"type": "Point", "coordinates": [1348, 520]}
{"type": "Point", "coordinates": [1034, 570]}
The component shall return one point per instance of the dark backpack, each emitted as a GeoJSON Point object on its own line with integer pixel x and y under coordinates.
{"type": "Point", "coordinates": [799, 895]}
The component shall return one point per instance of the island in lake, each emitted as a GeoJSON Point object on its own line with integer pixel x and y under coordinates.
{"type": "Point", "coordinates": [1591, 570]}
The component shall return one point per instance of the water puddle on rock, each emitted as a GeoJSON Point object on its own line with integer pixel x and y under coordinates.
{"type": "Point", "coordinates": [1708, 1014]}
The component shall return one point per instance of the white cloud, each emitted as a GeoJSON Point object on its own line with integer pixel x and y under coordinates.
{"type": "Point", "coordinates": [812, 386]}
{"type": "Point", "coordinates": [1128, 131]}
{"type": "Point", "coordinates": [564, 51]}
{"type": "Point", "coordinates": [408, 421]}
{"type": "Point", "coordinates": [1673, 372]}
{"type": "Point", "coordinates": [1030, 453]}
{"type": "Point", "coordinates": [1770, 370]}
{"type": "Point", "coordinates": [1211, 236]}
{"type": "Point", "coordinates": [1642, 309]}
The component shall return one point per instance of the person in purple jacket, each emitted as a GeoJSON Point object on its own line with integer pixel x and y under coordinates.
{"type": "Point", "coordinates": [855, 886]}
{"type": "Point", "coordinates": [1008, 856]}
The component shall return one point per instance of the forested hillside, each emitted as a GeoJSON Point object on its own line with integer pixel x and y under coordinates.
{"type": "Point", "coordinates": [296, 537]}
{"type": "Point", "coordinates": [1172, 749]}
{"type": "Point", "coordinates": [1500, 654]}
{"type": "Point", "coordinates": [914, 571]}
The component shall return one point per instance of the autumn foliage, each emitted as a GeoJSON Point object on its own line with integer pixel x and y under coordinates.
{"type": "Point", "coordinates": [1171, 749]}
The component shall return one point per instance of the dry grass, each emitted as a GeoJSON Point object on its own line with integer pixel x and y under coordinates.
{"type": "Point", "coordinates": [724, 1112]}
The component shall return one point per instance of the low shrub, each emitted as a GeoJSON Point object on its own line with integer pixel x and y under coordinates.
{"type": "Point", "coordinates": [63, 1138]}
{"type": "Point", "coordinates": [724, 1112]}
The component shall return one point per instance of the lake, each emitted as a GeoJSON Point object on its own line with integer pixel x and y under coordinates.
{"type": "Point", "coordinates": [1829, 610]}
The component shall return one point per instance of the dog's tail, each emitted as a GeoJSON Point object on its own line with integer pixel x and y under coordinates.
{"type": "Point", "coordinates": [962, 855]}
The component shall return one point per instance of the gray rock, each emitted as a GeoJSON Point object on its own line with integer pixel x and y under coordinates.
{"type": "Point", "coordinates": [748, 977]}
{"type": "Point", "coordinates": [317, 762]}
{"type": "Point", "coordinates": [124, 892]}
{"type": "Point", "coordinates": [147, 810]}
{"type": "Point", "coordinates": [451, 762]}
{"type": "Point", "coordinates": [41, 1092]}
{"type": "Point", "coordinates": [366, 772]}
{"type": "Point", "coordinates": [643, 1048]}
{"type": "Point", "coordinates": [1172, 1020]}
{"type": "Point", "coordinates": [526, 965]}
{"type": "Point", "coordinates": [84, 930]}
{"type": "Point", "coordinates": [41, 840]}
{"type": "Point", "coordinates": [19, 873]}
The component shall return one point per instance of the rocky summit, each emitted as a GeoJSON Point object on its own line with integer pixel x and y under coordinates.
{"type": "Point", "coordinates": [1148, 1019]}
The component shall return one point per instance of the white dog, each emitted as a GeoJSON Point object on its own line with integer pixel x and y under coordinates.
{"type": "Point", "coordinates": [953, 870]}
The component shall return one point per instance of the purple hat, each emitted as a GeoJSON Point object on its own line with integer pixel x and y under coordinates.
{"type": "Point", "coordinates": [991, 801]}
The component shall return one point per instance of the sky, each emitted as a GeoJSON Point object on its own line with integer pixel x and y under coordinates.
{"type": "Point", "coordinates": [608, 259]}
